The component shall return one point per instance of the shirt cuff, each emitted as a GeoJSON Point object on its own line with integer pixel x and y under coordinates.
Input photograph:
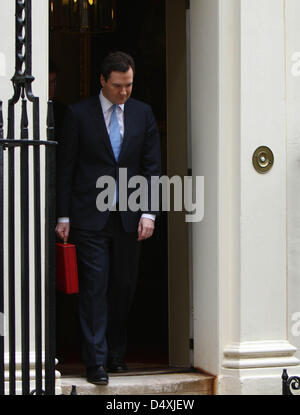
{"type": "Point", "coordinates": [144, 215]}
{"type": "Point", "coordinates": [148, 216]}
{"type": "Point", "coordinates": [63, 220]}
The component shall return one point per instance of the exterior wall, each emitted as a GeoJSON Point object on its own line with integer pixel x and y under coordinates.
{"type": "Point", "coordinates": [242, 99]}
{"type": "Point", "coordinates": [292, 13]}
{"type": "Point", "coordinates": [40, 89]}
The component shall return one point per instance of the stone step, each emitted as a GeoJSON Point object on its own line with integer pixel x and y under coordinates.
{"type": "Point", "coordinates": [159, 384]}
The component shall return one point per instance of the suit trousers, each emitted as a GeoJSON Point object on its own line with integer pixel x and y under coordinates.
{"type": "Point", "coordinates": [108, 270]}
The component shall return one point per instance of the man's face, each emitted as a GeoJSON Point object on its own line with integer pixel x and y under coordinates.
{"type": "Point", "coordinates": [118, 87]}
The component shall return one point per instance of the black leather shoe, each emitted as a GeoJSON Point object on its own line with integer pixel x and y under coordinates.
{"type": "Point", "coordinates": [97, 375]}
{"type": "Point", "coordinates": [116, 365]}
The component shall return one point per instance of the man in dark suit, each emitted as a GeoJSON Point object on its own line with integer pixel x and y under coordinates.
{"type": "Point", "coordinates": [100, 136]}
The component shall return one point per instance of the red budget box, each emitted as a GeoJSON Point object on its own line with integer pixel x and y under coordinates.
{"type": "Point", "coordinates": [66, 268]}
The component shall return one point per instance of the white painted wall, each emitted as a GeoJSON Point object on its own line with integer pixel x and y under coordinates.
{"type": "Point", "coordinates": [260, 345]}
{"type": "Point", "coordinates": [293, 168]}
{"type": "Point", "coordinates": [263, 196]}
{"type": "Point", "coordinates": [238, 84]}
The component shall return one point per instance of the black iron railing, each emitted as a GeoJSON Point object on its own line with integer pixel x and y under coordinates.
{"type": "Point", "coordinates": [22, 81]}
{"type": "Point", "coordinates": [289, 384]}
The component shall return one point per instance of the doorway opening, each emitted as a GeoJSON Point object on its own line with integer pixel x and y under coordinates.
{"type": "Point", "coordinates": [82, 33]}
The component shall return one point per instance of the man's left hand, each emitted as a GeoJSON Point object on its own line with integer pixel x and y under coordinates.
{"type": "Point", "coordinates": [145, 229]}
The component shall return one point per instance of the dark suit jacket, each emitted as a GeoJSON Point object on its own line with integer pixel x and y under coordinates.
{"type": "Point", "coordinates": [85, 154]}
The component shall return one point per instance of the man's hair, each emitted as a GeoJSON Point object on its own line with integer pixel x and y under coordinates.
{"type": "Point", "coordinates": [116, 61]}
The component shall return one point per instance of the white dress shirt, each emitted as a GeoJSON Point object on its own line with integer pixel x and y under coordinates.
{"type": "Point", "coordinates": [107, 112]}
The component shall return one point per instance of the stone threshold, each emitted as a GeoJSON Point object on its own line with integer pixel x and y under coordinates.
{"type": "Point", "coordinates": [191, 383]}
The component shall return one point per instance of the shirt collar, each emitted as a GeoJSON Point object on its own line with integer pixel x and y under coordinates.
{"type": "Point", "coordinates": [106, 104]}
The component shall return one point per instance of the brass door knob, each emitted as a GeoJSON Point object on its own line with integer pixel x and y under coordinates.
{"type": "Point", "coordinates": [263, 159]}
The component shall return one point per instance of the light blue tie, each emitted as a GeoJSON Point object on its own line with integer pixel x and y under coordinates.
{"type": "Point", "coordinates": [115, 133]}
{"type": "Point", "coordinates": [115, 139]}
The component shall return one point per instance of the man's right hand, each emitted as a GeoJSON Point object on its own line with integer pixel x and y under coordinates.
{"type": "Point", "coordinates": [62, 230]}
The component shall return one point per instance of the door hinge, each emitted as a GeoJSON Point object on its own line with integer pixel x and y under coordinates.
{"type": "Point", "coordinates": [191, 344]}
{"type": "Point", "coordinates": [187, 4]}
